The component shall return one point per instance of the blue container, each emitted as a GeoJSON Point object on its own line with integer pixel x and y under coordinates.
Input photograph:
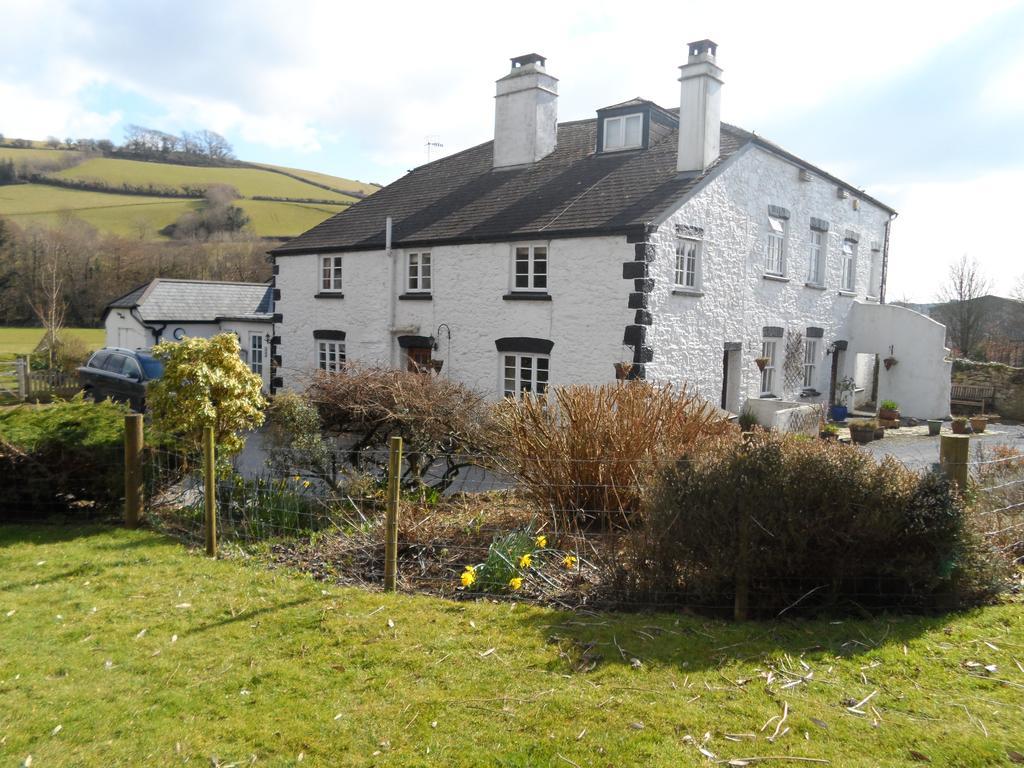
{"type": "Point", "coordinates": [838, 412]}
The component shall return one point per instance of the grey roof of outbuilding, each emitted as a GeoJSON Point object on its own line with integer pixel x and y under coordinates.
{"type": "Point", "coordinates": [198, 301]}
{"type": "Point", "coordinates": [571, 192]}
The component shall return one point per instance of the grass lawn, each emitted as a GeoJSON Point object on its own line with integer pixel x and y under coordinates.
{"type": "Point", "coordinates": [22, 341]}
{"type": "Point", "coordinates": [121, 648]}
{"type": "Point", "coordinates": [135, 215]}
{"type": "Point", "coordinates": [248, 181]}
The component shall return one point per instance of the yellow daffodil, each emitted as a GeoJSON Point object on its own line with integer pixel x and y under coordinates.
{"type": "Point", "coordinates": [516, 583]}
{"type": "Point", "coordinates": [468, 576]}
{"type": "Point", "coordinates": [569, 562]}
{"type": "Point", "coordinates": [306, 483]}
{"type": "Point", "coordinates": [541, 541]}
{"type": "Point", "coordinates": [525, 560]}
{"type": "Point", "coordinates": [296, 478]}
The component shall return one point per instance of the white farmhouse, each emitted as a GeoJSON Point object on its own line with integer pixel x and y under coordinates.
{"type": "Point", "coordinates": [657, 243]}
{"type": "Point", "coordinates": [170, 310]}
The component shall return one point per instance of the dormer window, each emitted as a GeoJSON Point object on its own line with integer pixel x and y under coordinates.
{"type": "Point", "coordinates": [624, 132]}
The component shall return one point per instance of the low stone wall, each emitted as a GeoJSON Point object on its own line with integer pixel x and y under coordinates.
{"type": "Point", "coordinates": [1008, 384]}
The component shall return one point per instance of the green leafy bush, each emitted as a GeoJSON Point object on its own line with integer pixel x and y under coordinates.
{"type": "Point", "coordinates": [889, 405]}
{"type": "Point", "coordinates": [62, 458]}
{"type": "Point", "coordinates": [826, 525]}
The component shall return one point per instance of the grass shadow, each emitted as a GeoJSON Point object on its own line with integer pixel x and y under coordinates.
{"type": "Point", "coordinates": [693, 644]}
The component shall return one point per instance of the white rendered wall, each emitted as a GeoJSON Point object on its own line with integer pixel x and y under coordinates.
{"type": "Point", "coordinates": [123, 330]}
{"type": "Point", "coordinates": [585, 318]}
{"type": "Point", "coordinates": [120, 325]}
{"type": "Point", "coordinates": [920, 380]}
{"type": "Point", "coordinates": [689, 332]}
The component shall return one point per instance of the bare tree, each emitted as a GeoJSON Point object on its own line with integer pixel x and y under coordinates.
{"type": "Point", "coordinates": [964, 313]}
{"type": "Point", "coordinates": [48, 302]}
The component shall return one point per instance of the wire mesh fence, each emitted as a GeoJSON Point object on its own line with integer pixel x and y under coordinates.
{"type": "Point", "coordinates": [567, 539]}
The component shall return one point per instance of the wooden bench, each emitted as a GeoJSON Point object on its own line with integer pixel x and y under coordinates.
{"type": "Point", "coordinates": [965, 394]}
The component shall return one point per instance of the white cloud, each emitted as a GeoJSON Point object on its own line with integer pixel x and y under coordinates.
{"type": "Point", "coordinates": [940, 222]}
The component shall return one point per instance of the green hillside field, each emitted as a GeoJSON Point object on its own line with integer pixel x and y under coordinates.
{"type": "Point", "coordinates": [144, 216]}
{"type": "Point", "coordinates": [17, 154]}
{"type": "Point", "coordinates": [250, 182]}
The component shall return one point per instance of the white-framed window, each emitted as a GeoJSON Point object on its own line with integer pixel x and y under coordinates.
{"type": "Point", "coordinates": [810, 361]}
{"type": "Point", "coordinates": [816, 255]}
{"type": "Point", "coordinates": [418, 273]}
{"type": "Point", "coordinates": [849, 282]}
{"type": "Point", "coordinates": [330, 355]}
{"type": "Point", "coordinates": [775, 247]}
{"type": "Point", "coordinates": [688, 263]}
{"type": "Point", "coordinates": [524, 374]}
{"type": "Point", "coordinates": [256, 353]}
{"type": "Point", "coordinates": [769, 348]}
{"type": "Point", "coordinates": [624, 132]}
{"type": "Point", "coordinates": [530, 270]}
{"type": "Point", "coordinates": [330, 273]}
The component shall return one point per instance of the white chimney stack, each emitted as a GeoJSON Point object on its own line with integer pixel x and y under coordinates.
{"type": "Point", "coordinates": [525, 113]}
{"type": "Point", "coordinates": [700, 108]}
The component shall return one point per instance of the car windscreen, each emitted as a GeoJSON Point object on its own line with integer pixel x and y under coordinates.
{"type": "Point", "coordinates": [152, 367]}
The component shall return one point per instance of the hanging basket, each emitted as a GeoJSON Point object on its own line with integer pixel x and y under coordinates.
{"type": "Point", "coordinates": [436, 365]}
{"type": "Point", "coordinates": [761, 363]}
{"type": "Point", "coordinates": [889, 362]}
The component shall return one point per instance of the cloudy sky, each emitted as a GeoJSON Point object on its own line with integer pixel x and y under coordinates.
{"type": "Point", "coordinates": [920, 104]}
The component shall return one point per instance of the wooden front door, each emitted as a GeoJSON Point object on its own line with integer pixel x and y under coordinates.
{"type": "Point", "coordinates": [418, 359]}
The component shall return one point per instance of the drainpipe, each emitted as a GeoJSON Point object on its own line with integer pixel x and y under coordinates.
{"type": "Point", "coordinates": [885, 259]}
{"type": "Point", "coordinates": [392, 293]}
{"type": "Point", "coordinates": [155, 330]}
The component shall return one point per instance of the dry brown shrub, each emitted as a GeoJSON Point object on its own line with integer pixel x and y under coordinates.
{"type": "Point", "coordinates": [445, 426]}
{"type": "Point", "coordinates": [586, 452]}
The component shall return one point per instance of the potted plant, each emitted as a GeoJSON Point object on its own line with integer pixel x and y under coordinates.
{"type": "Point", "coordinates": [844, 388]}
{"type": "Point", "coordinates": [960, 425]}
{"type": "Point", "coordinates": [934, 427]}
{"type": "Point", "coordinates": [622, 371]}
{"type": "Point", "coordinates": [978, 423]}
{"type": "Point", "coordinates": [862, 431]}
{"type": "Point", "coordinates": [889, 362]}
{"type": "Point", "coordinates": [889, 414]}
{"type": "Point", "coordinates": [761, 363]}
{"type": "Point", "coordinates": [828, 432]}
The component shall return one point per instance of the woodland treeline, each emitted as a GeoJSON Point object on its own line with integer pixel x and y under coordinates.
{"type": "Point", "coordinates": [74, 265]}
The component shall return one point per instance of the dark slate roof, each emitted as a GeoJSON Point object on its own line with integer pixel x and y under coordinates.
{"type": "Point", "coordinates": [198, 301]}
{"type": "Point", "coordinates": [573, 191]}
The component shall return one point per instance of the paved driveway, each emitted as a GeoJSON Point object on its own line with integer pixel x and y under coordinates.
{"type": "Point", "coordinates": [916, 449]}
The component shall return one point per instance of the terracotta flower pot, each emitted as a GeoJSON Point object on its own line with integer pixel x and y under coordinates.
{"type": "Point", "coordinates": [889, 414]}
{"type": "Point", "coordinates": [978, 424]}
{"type": "Point", "coordinates": [959, 427]}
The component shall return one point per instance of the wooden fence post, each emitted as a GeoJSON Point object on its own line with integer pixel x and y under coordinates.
{"type": "Point", "coordinates": [391, 518]}
{"type": "Point", "coordinates": [210, 490]}
{"type": "Point", "coordinates": [954, 454]}
{"type": "Point", "coordinates": [133, 469]}
{"type": "Point", "coordinates": [23, 380]}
